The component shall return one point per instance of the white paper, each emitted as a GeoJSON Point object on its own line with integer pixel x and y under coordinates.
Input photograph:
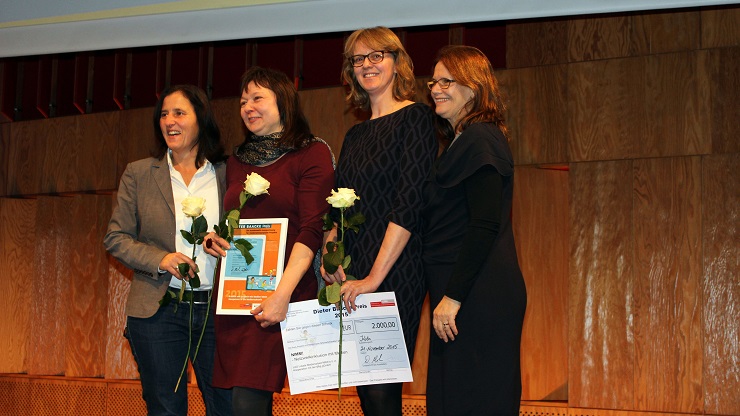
{"type": "Point", "coordinates": [373, 346]}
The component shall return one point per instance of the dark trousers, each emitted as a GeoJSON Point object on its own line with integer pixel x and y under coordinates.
{"type": "Point", "coordinates": [160, 344]}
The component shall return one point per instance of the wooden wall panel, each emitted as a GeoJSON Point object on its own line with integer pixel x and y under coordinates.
{"type": "Point", "coordinates": [721, 283]}
{"type": "Point", "coordinates": [18, 247]}
{"type": "Point", "coordinates": [605, 111]}
{"type": "Point", "coordinates": [4, 150]}
{"type": "Point", "coordinates": [598, 37]}
{"type": "Point", "coordinates": [59, 143]}
{"type": "Point", "coordinates": [639, 107]}
{"type": "Point", "coordinates": [537, 134]}
{"type": "Point", "coordinates": [86, 296]}
{"type": "Point", "coordinates": [66, 154]}
{"type": "Point", "coordinates": [667, 291]}
{"type": "Point", "coordinates": [659, 32]}
{"type": "Point", "coordinates": [77, 153]}
{"type": "Point", "coordinates": [91, 167]}
{"type": "Point", "coordinates": [421, 353]}
{"type": "Point", "coordinates": [135, 139]}
{"type": "Point", "coordinates": [719, 26]}
{"type": "Point", "coordinates": [229, 121]}
{"type": "Point", "coordinates": [542, 231]}
{"type": "Point", "coordinates": [119, 362]}
{"type": "Point", "coordinates": [329, 125]}
{"type": "Point", "coordinates": [676, 106]}
{"type": "Point", "coordinates": [25, 156]}
{"type": "Point", "coordinates": [601, 339]}
{"type": "Point", "coordinates": [536, 43]}
{"type": "Point", "coordinates": [50, 288]}
{"type": "Point", "coordinates": [724, 67]}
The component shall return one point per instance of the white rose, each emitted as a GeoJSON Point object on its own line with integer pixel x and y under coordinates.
{"type": "Point", "coordinates": [193, 206]}
{"type": "Point", "coordinates": [256, 184]}
{"type": "Point", "coordinates": [343, 198]}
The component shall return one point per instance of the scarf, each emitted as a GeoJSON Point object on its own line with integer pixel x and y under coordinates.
{"type": "Point", "coordinates": [260, 150]}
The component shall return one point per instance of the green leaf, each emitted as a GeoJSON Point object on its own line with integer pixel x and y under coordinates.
{"type": "Point", "coordinates": [350, 277]}
{"type": "Point", "coordinates": [334, 257]}
{"type": "Point", "coordinates": [244, 246]}
{"type": "Point", "coordinates": [200, 229]}
{"type": "Point", "coordinates": [326, 223]}
{"type": "Point", "coordinates": [322, 297]}
{"type": "Point", "coordinates": [334, 293]}
{"type": "Point", "coordinates": [183, 268]}
{"type": "Point", "coordinates": [354, 221]}
{"type": "Point", "coordinates": [233, 220]}
{"type": "Point", "coordinates": [188, 237]}
{"type": "Point", "coordinates": [243, 199]}
{"type": "Point", "coordinates": [346, 262]}
{"type": "Point", "coordinates": [167, 298]}
{"type": "Point", "coordinates": [195, 281]}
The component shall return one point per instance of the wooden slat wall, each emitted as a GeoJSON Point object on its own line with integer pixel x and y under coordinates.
{"type": "Point", "coordinates": [16, 263]}
{"type": "Point", "coordinates": [601, 338]}
{"type": "Point", "coordinates": [85, 268]}
{"type": "Point", "coordinates": [50, 288]}
{"type": "Point", "coordinates": [720, 288]}
{"type": "Point", "coordinates": [4, 150]}
{"type": "Point", "coordinates": [667, 284]}
{"type": "Point", "coordinates": [630, 256]}
{"type": "Point", "coordinates": [541, 209]}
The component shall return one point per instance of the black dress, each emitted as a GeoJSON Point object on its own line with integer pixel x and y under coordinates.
{"type": "Point", "coordinates": [386, 161]}
{"type": "Point", "coordinates": [479, 372]}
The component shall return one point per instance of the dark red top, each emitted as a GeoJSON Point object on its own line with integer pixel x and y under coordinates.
{"type": "Point", "coordinates": [248, 355]}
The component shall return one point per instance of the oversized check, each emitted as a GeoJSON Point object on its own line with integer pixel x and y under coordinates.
{"type": "Point", "coordinates": [373, 349]}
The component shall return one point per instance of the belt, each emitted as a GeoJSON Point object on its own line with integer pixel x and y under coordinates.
{"type": "Point", "coordinates": [199, 297]}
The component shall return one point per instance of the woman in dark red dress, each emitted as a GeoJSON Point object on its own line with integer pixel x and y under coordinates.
{"type": "Point", "coordinates": [279, 147]}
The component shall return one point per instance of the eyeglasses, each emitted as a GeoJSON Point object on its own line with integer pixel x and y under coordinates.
{"type": "Point", "coordinates": [375, 57]}
{"type": "Point", "coordinates": [444, 83]}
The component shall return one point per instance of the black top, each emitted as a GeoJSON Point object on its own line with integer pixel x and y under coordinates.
{"type": "Point", "coordinates": [386, 160]}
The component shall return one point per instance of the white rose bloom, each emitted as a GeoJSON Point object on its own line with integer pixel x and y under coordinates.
{"type": "Point", "coordinates": [343, 198]}
{"type": "Point", "coordinates": [193, 206]}
{"type": "Point", "coordinates": [256, 184]}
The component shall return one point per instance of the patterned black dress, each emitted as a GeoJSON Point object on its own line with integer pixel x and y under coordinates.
{"type": "Point", "coordinates": [386, 160]}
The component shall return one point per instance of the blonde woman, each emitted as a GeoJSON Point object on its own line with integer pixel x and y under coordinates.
{"type": "Point", "coordinates": [386, 160]}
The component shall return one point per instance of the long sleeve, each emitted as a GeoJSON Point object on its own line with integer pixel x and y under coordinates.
{"type": "Point", "coordinates": [123, 239]}
{"type": "Point", "coordinates": [483, 191]}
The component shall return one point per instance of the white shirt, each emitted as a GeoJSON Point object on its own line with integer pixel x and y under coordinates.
{"type": "Point", "coordinates": [205, 185]}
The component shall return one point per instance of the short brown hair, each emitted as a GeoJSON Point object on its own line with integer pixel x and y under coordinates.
{"type": "Point", "coordinates": [468, 66]}
{"type": "Point", "coordinates": [380, 39]}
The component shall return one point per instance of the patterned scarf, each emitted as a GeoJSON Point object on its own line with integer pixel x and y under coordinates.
{"type": "Point", "coordinates": [260, 150]}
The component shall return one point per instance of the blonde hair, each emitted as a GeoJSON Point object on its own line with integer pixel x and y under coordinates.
{"type": "Point", "coordinates": [380, 39]}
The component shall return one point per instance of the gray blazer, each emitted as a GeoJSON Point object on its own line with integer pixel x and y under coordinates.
{"type": "Point", "coordinates": [142, 230]}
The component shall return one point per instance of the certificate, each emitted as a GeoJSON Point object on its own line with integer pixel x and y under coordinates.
{"type": "Point", "coordinates": [242, 287]}
{"type": "Point", "coordinates": [373, 347]}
